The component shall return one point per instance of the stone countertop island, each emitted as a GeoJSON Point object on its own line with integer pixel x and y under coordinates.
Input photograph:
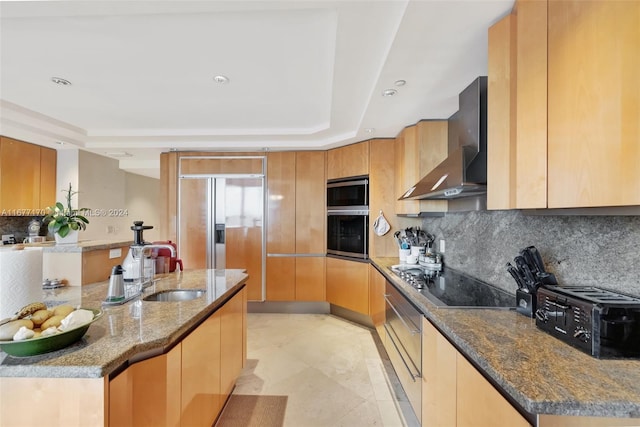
{"type": "Point", "coordinates": [129, 331]}
{"type": "Point", "coordinates": [138, 331]}
{"type": "Point", "coordinates": [81, 246]}
{"type": "Point", "coordinates": [541, 374]}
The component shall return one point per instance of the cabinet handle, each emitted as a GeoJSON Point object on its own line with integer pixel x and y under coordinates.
{"type": "Point", "coordinates": [411, 330]}
{"type": "Point", "coordinates": [414, 377]}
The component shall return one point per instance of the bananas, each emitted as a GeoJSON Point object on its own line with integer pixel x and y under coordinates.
{"type": "Point", "coordinates": [29, 309]}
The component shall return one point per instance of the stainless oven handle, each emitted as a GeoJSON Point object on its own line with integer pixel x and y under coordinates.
{"type": "Point", "coordinates": [406, 325]}
{"type": "Point", "coordinates": [414, 377]}
{"type": "Point", "coordinates": [357, 211]}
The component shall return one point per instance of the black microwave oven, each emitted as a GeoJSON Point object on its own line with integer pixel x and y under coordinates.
{"type": "Point", "coordinates": [350, 193]}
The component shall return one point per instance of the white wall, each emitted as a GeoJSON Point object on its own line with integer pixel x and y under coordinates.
{"type": "Point", "coordinates": [142, 198]}
{"type": "Point", "coordinates": [116, 198]}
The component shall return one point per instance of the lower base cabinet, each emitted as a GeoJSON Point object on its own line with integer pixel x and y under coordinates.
{"type": "Point", "coordinates": [438, 378]}
{"type": "Point", "coordinates": [148, 392]}
{"type": "Point", "coordinates": [296, 278]}
{"type": "Point", "coordinates": [188, 385]}
{"type": "Point", "coordinates": [478, 403]}
{"type": "Point", "coordinates": [454, 393]}
{"type": "Point", "coordinates": [376, 300]}
{"type": "Point", "coordinates": [348, 284]}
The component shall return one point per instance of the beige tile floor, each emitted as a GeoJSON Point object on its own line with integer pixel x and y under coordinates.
{"type": "Point", "coordinates": [331, 370]}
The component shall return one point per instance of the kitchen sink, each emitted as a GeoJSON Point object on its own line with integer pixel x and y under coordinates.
{"type": "Point", "coordinates": [175, 295]}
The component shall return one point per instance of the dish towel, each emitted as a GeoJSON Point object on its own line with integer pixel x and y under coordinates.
{"type": "Point", "coordinates": [381, 225]}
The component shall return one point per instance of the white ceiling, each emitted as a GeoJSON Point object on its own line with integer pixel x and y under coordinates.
{"type": "Point", "coordinates": [302, 74]}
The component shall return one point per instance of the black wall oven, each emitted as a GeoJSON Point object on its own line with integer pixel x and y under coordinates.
{"type": "Point", "coordinates": [348, 217]}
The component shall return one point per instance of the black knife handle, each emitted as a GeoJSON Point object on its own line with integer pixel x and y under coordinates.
{"type": "Point", "coordinates": [526, 272]}
{"type": "Point", "coordinates": [531, 263]}
{"type": "Point", "coordinates": [516, 276]}
{"type": "Point", "coordinates": [537, 258]}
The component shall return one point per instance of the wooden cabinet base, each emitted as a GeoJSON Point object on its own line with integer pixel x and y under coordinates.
{"type": "Point", "coordinates": [60, 401]}
{"type": "Point", "coordinates": [348, 284]}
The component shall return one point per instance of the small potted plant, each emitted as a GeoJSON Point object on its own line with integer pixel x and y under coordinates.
{"type": "Point", "coordinates": [65, 222]}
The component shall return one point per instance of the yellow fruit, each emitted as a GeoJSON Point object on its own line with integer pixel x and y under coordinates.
{"type": "Point", "coordinates": [30, 308]}
{"type": "Point", "coordinates": [62, 310]}
{"type": "Point", "coordinates": [40, 316]}
{"type": "Point", "coordinates": [52, 321]}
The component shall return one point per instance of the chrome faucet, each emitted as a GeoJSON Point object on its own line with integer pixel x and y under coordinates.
{"type": "Point", "coordinates": [140, 252]}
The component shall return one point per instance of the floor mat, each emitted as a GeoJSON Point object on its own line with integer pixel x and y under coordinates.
{"type": "Point", "coordinates": [253, 410]}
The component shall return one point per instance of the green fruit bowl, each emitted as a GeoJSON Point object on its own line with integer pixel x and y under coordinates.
{"type": "Point", "coordinates": [40, 345]}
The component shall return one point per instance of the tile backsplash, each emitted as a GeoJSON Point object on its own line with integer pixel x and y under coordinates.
{"type": "Point", "coordinates": [598, 251]}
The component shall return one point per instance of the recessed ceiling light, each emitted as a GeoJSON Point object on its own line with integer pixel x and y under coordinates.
{"type": "Point", "coordinates": [119, 154]}
{"type": "Point", "coordinates": [61, 81]}
{"type": "Point", "coordinates": [59, 142]}
{"type": "Point", "coordinates": [389, 92]}
{"type": "Point", "coordinates": [221, 79]}
{"type": "Point", "coordinates": [400, 83]}
{"type": "Point", "coordinates": [369, 130]}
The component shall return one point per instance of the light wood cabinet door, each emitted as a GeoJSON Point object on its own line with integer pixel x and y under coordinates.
{"type": "Point", "coordinates": [350, 160]}
{"type": "Point", "coordinates": [169, 196]}
{"type": "Point", "coordinates": [231, 342]}
{"type": "Point", "coordinates": [201, 400]}
{"type": "Point", "coordinates": [501, 115]}
{"type": "Point", "coordinates": [377, 284]}
{"type": "Point", "coordinates": [154, 392]}
{"type": "Point", "coordinates": [419, 149]}
{"type": "Point", "coordinates": [382, 195]}
{"type": "Point", "coordinates": [479, 403]}
{"type": "Point", "coordinates": [406, 170]}
{"type": "Point", "coordinates": [281, 278]}
{"type": "Point", "coordinates": [531, 104]}
{"type": "Point", "coordinates": [296, 226]}
{"type": "Point", "coordinates": [517, 109]}
{"type": "Point", "coordinates": [438, 378]}
{"type": "Point", "coordinates": [19, 176]}
{"type": "Point", "coordinates": [281, 202]}
{"type": "Point", "coordinates": [594, 103]}
{"type": "Point", "coordinates": [310, 279]}
{"type": "Point", "coordinates": [48, 170]}
{"type": "Point", "coordinates": [53, 401]}
{"type": "Point", "coordinates": [310, 202]}
{"type": "Point", "coordinates": [348, 284]}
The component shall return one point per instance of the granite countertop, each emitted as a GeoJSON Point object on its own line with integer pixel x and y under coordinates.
{"type": "Point", "coordinates": [129, 332]}
{"type": "Point", "coordinates": [81, 246]}
{"type": "Point", "coordinates": [539, 372]}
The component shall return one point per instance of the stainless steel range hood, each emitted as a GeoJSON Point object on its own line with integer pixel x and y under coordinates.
{"type": "Point", "coordinates": [464, 172]}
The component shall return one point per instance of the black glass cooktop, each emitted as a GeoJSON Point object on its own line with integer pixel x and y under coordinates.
{"type": "Point", "coordinates": [451, 288]}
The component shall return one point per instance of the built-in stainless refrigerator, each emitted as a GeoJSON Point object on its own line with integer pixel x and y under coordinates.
{"type": "Point", "coordinates": [220, 225]}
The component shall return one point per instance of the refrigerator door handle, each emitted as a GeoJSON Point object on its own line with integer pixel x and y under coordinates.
{"type": "Point", "coordinates": [219, 233]}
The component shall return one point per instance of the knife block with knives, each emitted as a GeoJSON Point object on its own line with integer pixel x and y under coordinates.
{"type": "Point", "coordinates": [529, 274]}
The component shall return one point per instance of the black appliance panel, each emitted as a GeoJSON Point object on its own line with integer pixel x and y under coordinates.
{"type": "Point", "coordinates": [351, 193]}
{"type": "Point", "coordinates": [347, 233]}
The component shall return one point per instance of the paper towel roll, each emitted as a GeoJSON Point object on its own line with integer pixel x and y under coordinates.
{"type": "Point", "coordinates": [20, 279]}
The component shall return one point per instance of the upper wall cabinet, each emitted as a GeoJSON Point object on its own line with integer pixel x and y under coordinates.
{"type": "Point", "coordinates": [564, 103]}
{"type": "Point", "coordinates": [419, 149]}
{"type": "Point", "coordinates": [350, 160]}
{"type": "Point", "coordinates": [27, 177]}
{"type": "Point", "coordinates": [594, 103]}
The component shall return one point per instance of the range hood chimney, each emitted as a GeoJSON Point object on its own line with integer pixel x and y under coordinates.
{"type": "Point", "coordinates": [464, 172]}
